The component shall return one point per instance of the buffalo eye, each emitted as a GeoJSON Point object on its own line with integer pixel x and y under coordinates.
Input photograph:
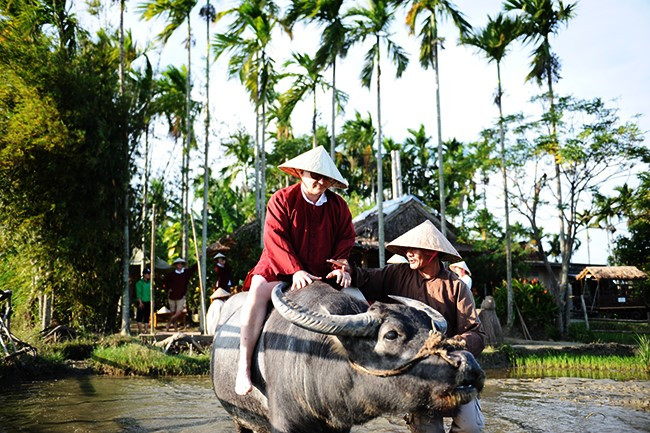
{"type": "Point", "coordinates": [391, 335]}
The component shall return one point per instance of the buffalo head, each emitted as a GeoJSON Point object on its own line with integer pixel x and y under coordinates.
{"type": "Point", "coordinates": [397, 354]}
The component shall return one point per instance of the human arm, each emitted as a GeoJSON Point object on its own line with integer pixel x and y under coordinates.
{"type": "Point", "coordinates": [371, 282]}
{"type": "Point", "coordinates": [345, 235]}
{"type": "Point", "coordinates": [281, 254]}
{"type": "Point", "coordinates": [468, 325]}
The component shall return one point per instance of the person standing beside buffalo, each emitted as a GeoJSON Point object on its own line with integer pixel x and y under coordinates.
{"type": "Point", "coordinates": [425, 279]}
{"type": "Point", "coordinates": [143, 298]}
{"type": "Point", "coordinates": [306, 224]}
{"type": "Point", "coordinates": [222, 273]}
{"type": "Point", "coordinates": [175, 284]}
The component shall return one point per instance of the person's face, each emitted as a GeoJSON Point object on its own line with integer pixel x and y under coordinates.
{"type": "Point", "coordinates": [459, 271]}
{"type": "Point", "coordinates": [221, 261]}
{"type": "Point", "coordinates": [418, 258]}
{"type": "Point", "coordinates": [146, 277]}
{"type": "Point", "coordinates": [314, 183]}
{"type": "Point", "coordinates": [180, 266]}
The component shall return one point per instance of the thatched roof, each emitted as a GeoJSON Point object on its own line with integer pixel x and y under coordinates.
{"type": "Point", "coordinates": [400, 216]}
{"type": "Point", "coordinates": [612, 273]}
{"type": "Point", "coordinates": [228, 243]}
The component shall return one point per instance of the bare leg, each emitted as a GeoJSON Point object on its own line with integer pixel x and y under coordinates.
{"type": "Point", "coordinates": [253, 314]}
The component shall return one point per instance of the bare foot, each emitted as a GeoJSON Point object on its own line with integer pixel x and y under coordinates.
{"type": "Point", "coordinates": [243, 383]}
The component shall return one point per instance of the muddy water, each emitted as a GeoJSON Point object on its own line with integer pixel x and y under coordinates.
{"type": "Point", "coordinates": [134, 405]}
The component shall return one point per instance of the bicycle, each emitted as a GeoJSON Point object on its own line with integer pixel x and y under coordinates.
{"type": "Point", "coordinates": [12, 346]}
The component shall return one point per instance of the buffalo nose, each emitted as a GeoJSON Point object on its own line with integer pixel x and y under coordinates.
{"type": "Point", "coordinates": [472, 374]}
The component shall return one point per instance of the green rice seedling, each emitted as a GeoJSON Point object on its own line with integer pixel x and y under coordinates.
{"type": "Point", "coordinates": [644, 350]}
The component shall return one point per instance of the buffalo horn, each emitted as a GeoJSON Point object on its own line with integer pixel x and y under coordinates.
{"type": "Point", "coordinates": [357, 325]}
{"type": "Point", "coordinates": [437, 320]}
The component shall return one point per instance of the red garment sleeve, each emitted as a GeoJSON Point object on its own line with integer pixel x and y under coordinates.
{"type": "Point", "coordinates": [280, 253]}
{"type": "Point", "coordinates": [345, 235]}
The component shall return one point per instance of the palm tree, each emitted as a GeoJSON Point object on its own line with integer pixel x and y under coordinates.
{"type": "Point", "coordinates": [207, 12]}
{"type": "Point", "coordinates": [334, 40]}
{"type": "Point", "coordinates": [306, 81]}
{"type": "Point", "coordinates": [493, 41]}
{"type": "Point", "coordinates": [126, 259]}
{"type": "Point", "coordinates": [248, 38]}
{"type": "Point", "coordinates": [435, 10]}
{"type": "Point", "coordinates": [177, 11]}
{"type": "Point", "coordinates": [539, 21]}
{"type": "Point", "coordinates": [374, 22]}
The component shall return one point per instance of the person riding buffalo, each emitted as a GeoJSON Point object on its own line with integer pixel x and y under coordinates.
{"type": "Point", "coordinates": [425, 278]}
{"type": "Point", "coordinates": [306, 224]}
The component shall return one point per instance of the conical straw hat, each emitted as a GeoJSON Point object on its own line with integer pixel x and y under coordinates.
{"type": "Point", "coordinates": [427, 237]}
{"type": "Point", "coordinates": [461, 265]}
{"type": "Point", "coordinates": [318, 161]}
{"type": "Point", "coordinates": [219, 293]}
{"type": "Point", "coordinates": [396, 259]}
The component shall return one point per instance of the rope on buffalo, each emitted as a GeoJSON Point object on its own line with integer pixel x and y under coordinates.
{"type": "Point", "coordinates": [435, 344]}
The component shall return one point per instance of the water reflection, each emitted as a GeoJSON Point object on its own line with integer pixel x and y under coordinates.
{"type": "Point", "coordinates": [110, 404]}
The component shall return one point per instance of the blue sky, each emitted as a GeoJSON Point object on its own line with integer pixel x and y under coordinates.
{"type": "Point", "coordinates": [603, 52]}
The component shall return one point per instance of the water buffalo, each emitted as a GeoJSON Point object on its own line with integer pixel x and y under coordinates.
{"type": "Point", "coordinates": [326, 361]}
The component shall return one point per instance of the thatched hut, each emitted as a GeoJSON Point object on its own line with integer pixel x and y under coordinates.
{"type": "Point", "coordinates": [611, 290]}
{"type": "Point", "coordinates": [400, 216]}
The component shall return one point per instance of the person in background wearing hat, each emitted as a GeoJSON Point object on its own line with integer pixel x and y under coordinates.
{"type": "Point", "coordinates": [425, 279]}
{"type": "Point", "coordinates": [175, 284]}
{"type": "Point", "coordinates": [222, 273]}
{"type": "Point", "coordinates": [218, 298]}
{"type": "Point", "coordinates": [143, 298]}
{"type": "Point", "coordinates": [461, 269]}
{"type": "Point", "coordinates": [306, 224]}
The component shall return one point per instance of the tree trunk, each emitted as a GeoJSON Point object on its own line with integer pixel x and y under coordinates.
{"type": "Point", "coordinates": [145, 191]}
{"type": "Point", "coordinates": [126, 256]}
{"type": "Point", "coordinates": [206, 178]}
{"type": "Point", "coordinates": [441, 169]}
{"type": "Point", "coordinates": [510, 296]}
{"type": "Point", "coordinates": [333, 137]}
{"type": "Point", "coordinates": [263, 159]}
{"type": "Point", "coordinates": [313, 121]}
{"type": "Point", "coordinates": [188, 137]}
{"type": "Point", "coordinates": [565, 254]}
{"type": "Point", "coordinates": [380, 183]}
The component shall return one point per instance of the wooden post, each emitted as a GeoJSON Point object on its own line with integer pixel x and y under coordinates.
{"type": "Point", "coordinates": [201, 288]}
{"type": "Point", "coordinates": [584, 310]}
{"type": "Point", "coordinates": [152, 264]}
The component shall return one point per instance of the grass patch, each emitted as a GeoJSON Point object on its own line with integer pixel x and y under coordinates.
{"type": "Point", "coordinates": [138, 359]}
{"type": "Point", "coordinates": [577, 365]}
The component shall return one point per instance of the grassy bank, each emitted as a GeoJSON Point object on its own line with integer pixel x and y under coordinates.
{"type": "Point", "coordinates": [117, 355]}
{"type": "Point", "coordinates": [113, 355]}
{"type": "Point", "coordinates": [144, 360]}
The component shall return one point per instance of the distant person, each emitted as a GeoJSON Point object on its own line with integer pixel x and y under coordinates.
{"type": "Point", "coordinates": [461, 269]}
{"type": "Point", "coordinates": [175, 284]}
{"type": "Point", "coordinates": [425, 279]}
{"type": "Point", "coordinates": [143, 298]}
{"type": "Point", "coordinates": [218, 298]}
{"type": "Point", "coordinates": [222, 273]}
{"type": "Point", "coordinates": [306, 224]}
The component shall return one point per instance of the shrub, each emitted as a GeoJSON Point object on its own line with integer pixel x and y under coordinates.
{"type": "Point", "coordinates": [536, 304]}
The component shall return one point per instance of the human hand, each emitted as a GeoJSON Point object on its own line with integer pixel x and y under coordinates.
{"type": "Point", "coordinates": [343, 278]}
{"type": "Point", "coordinates": [302, 278]}
{"type": "Point", "coordinates": [340, 264]}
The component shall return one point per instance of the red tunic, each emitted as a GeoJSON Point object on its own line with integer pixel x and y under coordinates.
{"type": "Point", "coordinates": [301, 236]}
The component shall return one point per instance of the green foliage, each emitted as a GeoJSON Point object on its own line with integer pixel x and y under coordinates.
{"type": "Point", "coordinates": [134, 358]}
{"type": "Point", "coordinates": [64, 168]}
{"type": "Point", "coordinates": [536, 304]}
